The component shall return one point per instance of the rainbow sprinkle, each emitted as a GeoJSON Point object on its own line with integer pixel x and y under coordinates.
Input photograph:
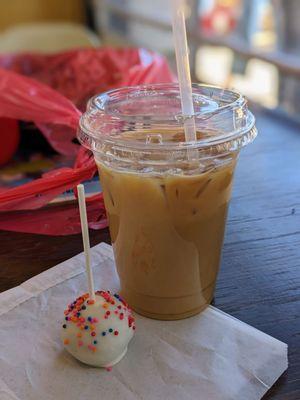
{"type": "Point", "coordinates": [87, 327]}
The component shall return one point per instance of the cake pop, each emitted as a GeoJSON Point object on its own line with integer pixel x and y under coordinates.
{"type": "Point", "coordinates": [98, 331]}
{"type": "Point", "coordinates": [98, 325]}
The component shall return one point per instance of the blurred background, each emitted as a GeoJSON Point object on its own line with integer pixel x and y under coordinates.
{"type": "Point", "coordinates": [250, 45]}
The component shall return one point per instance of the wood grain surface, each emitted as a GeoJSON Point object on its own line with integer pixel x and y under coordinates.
{"type": "Point", "coordinates": [259, 282]}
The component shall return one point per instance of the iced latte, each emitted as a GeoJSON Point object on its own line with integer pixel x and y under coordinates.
{"type": "Point", "coordinates": [166, 199]}
{"type": "Point", "coordinates": [167, 233]}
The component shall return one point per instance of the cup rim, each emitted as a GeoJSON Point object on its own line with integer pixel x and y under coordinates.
{"type": "Point", "coordinates": [237, 108]}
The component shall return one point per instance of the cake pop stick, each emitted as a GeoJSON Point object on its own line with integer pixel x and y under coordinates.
{"type": "Point", "coordinates": [86, 240]}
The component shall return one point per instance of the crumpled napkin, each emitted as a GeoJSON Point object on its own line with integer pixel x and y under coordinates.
{"type": "Point", "coordinates": [211, 356]}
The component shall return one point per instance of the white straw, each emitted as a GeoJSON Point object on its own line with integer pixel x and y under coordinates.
{"type": "Point", "coordinates": [86, 240]}
{"type": "Point", "coordinates": [183, 68]}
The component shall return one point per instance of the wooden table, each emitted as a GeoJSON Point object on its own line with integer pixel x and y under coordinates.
{"type": "Point", "coordinates": [259, 281]}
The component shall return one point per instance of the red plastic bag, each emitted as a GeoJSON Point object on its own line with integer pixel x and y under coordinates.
{"type": "Point", "coordinates": [11, 131]}
{"type": "Point", "coordinates": [48, 93]}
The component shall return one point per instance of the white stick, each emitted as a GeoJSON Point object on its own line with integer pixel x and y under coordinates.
{"type": "Point", "coordinates": [183, 68]}
{"type": "Point", "coordinates": [86, 240]}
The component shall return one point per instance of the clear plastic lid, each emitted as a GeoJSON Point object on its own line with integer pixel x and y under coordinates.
{"type": "Point", "coordinates": [147, 120]}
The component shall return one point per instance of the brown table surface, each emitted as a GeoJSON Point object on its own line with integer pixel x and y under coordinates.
{"type": "Point", "coordinates": [259, 279]}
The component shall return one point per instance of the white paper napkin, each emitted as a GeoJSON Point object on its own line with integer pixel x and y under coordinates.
{"type": "Point", "coordinates": [211, 356]}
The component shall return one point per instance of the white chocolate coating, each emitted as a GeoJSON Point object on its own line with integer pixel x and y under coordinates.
{"type": "Point", "coordinates": [98, 333]}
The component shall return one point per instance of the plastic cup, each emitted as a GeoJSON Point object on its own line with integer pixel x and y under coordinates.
{"type": "Point", "coordinates": [166, 211]}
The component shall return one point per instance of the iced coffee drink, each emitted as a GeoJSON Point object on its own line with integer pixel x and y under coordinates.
{"type": "Point", "coordinates": [167, 232]}
{"type": "Point", "coordinates": [166, 201]}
